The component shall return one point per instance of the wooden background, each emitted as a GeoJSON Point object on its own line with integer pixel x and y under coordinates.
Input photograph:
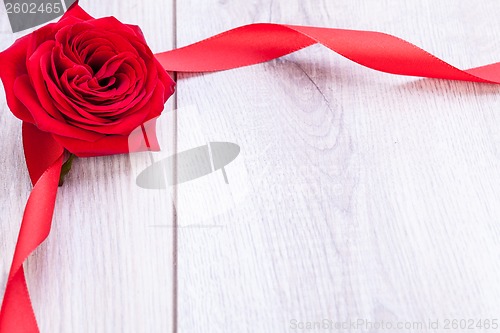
{"type": "Point", "coordinates": [356, 195]}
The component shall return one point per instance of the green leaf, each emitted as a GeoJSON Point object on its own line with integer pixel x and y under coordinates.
{"type": "Point", "coordinates": [66, 167]}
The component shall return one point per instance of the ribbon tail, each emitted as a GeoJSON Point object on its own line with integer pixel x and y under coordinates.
{"type": "Point", "coordinates": [44, 158]}
{"type": "Point", "coordinates": [261, 42]}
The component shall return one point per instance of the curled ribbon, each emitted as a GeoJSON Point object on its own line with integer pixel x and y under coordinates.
{"type": "Point", "coordinates": [243, 46]}
{"type": "Point", "coordinates": [261, 42]}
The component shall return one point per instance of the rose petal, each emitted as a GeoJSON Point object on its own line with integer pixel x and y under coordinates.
{"type": "Point", "coordinates": [109, 145]}
{"type": "Point", "coordinates": [27, 95]}
{"type": "Point", "coordinates": [138, 32]}
{"type": "Point", "coordinates": [48, 32]}
{"type": "Point", "coordinates": [125, 125]}
{"type": "Point", "coordinates": [168, 83]}
{"type": "Point", "coordinates": [41, 59]}
{"type": "Point", "coordinates": [13, 62]}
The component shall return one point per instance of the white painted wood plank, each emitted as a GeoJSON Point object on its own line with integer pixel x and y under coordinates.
{"type": "Point", "coordinates": [105, 266]}
{"type": "Point", "coordinates": [370, 196]}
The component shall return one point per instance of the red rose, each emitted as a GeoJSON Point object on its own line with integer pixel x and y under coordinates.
{"type": "Point", "coordinates": [89, 82]}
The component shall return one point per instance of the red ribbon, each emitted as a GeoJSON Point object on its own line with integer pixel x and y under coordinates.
{"type": "Point", "coordinates": [239, 47]}
{"type": "Point", "coordinates": [44, 160]}
{"type": "Point", "coordinates": [256, 43]}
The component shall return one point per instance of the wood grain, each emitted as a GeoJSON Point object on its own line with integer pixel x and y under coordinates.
{"type": "Point", "coordinates": [105, 266]}
{"type": "Point", "coordinates": [370, 196]}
